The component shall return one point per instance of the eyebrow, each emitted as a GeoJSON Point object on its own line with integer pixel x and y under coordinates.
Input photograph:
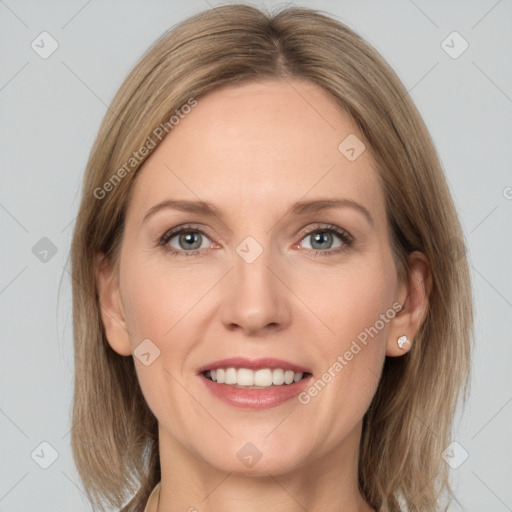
{"type": "Point", "coordinates": [300, 208]}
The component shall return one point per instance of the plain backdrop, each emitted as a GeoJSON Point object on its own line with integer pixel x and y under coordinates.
{"type": "Point", "coordinates": [51, 110]}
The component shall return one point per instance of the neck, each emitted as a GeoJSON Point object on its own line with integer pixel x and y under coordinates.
{"type": "Point", "coordinates": [317, 484]}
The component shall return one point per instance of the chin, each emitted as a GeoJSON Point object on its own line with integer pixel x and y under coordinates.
{"type": "Point", "coordinates": [275, 465]}
{"type": "Point", "coordinates": [255, 455]}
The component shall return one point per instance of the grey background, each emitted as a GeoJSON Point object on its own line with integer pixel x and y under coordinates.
{"type": "Point", "coordinates": [51, 110]}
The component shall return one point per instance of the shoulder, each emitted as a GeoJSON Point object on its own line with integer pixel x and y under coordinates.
{"type": "Point", "coordinates": [151, 505]}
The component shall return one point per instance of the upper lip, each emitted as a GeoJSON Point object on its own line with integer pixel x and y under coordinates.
{"type": "Point", "coordinates": [253, 364]}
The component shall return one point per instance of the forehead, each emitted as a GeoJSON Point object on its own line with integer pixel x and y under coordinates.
{"type": "Point", "coordinates": [260, 145]}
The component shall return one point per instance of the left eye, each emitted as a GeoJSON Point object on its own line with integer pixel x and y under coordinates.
{"type": "Point", "coordinates": [322, 239]}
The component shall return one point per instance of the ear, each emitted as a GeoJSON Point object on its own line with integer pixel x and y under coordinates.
{"type": "Point", "coordinates": [111, 307]}
{"type": "Point", "coordinates": [413, 295]}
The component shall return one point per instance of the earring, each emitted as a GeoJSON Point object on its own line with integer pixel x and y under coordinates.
{"type": "Point", "coordinates": [402, 340]}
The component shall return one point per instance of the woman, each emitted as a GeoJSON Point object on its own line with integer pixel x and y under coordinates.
{"type": "Point", "coordinates": [224, 358]}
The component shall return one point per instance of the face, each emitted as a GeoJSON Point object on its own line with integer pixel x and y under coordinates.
{"type": "Point", "coordinates": [309, 288]}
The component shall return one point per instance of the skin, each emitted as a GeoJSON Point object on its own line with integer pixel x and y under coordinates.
{"type": "Point", "coordinates": [253, 150]}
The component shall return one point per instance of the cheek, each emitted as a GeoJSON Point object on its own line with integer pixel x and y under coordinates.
{"type": "Point", "coordinates": [159, 299]}
{"type": "Point", "coordinates": [354, 305]}
{"type": "Point", "coordinates": [161, 306]}
{"type": "Point", "coordinates": [165, 305]}
{"type": "Point", "coordinates": [349, 300]}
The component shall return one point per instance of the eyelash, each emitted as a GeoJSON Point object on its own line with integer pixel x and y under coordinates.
{"type": "Point", "coordinates": [346, 238]}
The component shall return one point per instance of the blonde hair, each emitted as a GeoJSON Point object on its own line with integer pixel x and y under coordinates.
{"type": "Point", "coordinates": [409, 423]}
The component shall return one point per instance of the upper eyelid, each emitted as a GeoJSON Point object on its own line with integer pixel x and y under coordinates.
{"type": "Point", "coordinates": [326, 227]}
{"type": "Point", "coordinates": [172, 232]}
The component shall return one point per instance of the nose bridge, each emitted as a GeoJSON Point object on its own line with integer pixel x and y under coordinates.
{"type": "Point", "coordinates": [255, 299]}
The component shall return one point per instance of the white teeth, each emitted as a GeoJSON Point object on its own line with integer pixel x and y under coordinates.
{"type": "Point", "coordinates": [231, 376]}
{"type": "Point", "coordinates": [277, 377]}
{"type": "Point", "coordinates": [297, 377]}
{"type": "Point", "coordinates": [265, 377]}
{"type": "Point", "coordinates": [245, 377]}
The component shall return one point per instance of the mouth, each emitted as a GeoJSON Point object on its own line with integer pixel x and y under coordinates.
{"type": "Point", "coordinates": [254, 383]}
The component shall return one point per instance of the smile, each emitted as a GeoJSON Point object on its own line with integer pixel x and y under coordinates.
{"type": "Point", "coordinates": [254, 383]}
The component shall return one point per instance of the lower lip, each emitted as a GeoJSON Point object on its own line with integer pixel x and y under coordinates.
{"type": "Point", "coordinates": [256, 398]}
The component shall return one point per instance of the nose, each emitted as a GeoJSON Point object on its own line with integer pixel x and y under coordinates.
{"type": "Point", "coordinates": [255, 300]}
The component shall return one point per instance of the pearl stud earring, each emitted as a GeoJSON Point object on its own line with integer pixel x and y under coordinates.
{"type": "Point", "coordinates": [402, 340]}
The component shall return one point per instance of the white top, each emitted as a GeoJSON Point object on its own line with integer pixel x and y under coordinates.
{"type": "Point", "coordinates": [153, 499]}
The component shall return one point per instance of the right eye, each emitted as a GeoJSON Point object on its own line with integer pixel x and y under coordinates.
{"type": "Point", "coordinates": [184, 241]}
